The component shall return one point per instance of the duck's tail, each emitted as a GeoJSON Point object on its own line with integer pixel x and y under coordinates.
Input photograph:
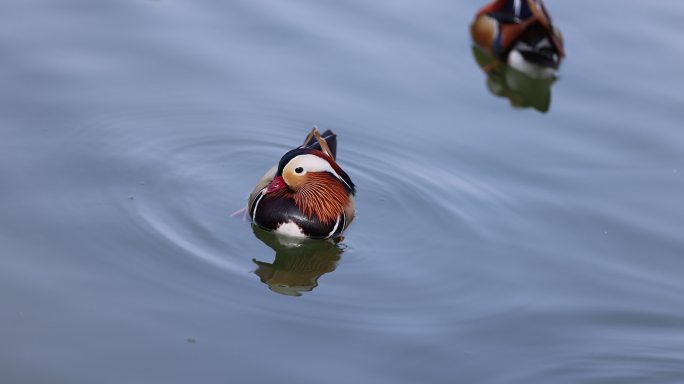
{"type": "Point", "coordinates": [328, 136]}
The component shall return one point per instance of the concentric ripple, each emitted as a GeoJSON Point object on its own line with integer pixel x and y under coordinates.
{"type": "Point", "coordinates": [410, 214]}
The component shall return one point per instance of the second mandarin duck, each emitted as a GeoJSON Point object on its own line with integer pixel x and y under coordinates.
{"type": "Point", "coordinates": [521, 34]}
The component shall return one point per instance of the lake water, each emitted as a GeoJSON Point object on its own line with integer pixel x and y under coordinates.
{"type": "Point", "coordinates": [492, 245]}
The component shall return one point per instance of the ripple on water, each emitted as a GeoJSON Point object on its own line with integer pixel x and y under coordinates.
{"type": "Point", "coordinates": [181, 185]}
{"type": "Point", "coordinates": [389, 275]}
{"type": "Point", "coordinates": [188, 182]}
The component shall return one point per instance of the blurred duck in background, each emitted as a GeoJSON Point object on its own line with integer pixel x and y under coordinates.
{"type": "Point", "coordinates": [298, 264]}
{"type": "Point", "coordinates": [521, 34]}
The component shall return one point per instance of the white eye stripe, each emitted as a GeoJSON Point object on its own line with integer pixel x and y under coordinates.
{"type": "Point", "coordinates": [313, 163]}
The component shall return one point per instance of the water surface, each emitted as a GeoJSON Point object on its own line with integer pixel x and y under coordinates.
{"type": "Point", "coordinates": [492, 245]}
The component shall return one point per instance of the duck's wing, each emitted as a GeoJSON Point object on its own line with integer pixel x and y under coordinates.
{"type": "Point", "coordinates": [263, 182]}
{"type": "Point", "coordinates": [349, 212]}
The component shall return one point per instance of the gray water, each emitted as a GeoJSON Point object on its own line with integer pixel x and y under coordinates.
{"type": "Point", "coordinates": [493, 244]}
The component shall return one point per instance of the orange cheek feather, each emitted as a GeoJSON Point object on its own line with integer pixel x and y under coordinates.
{"type": "Point", "coordinates": [322, 195]}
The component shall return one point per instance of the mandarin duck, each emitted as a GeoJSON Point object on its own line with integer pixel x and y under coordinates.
{"type": "Point", "coordinates": [521, 34]}
{"type": "Point", "coordinates": [307, 194]}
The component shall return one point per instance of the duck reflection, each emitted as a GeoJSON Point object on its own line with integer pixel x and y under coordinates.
{"type": "Point", "coordinates": [298, 262]}
{"type": "Point", "coordinates": [522, 90]}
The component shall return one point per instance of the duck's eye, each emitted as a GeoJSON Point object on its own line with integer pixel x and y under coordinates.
{"type": "Point", "coordinates": [299, 170]}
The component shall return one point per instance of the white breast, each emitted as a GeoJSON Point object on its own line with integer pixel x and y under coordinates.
{"type": "Point", "coordinates": [291, 229]}
{"type": "Point", "coordinates": [517, 61]}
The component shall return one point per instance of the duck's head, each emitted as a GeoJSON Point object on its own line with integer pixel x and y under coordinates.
{"type": "Point", "coordinates": [304, 168]}
{"type": "Point", "coordinates": [315, 181]}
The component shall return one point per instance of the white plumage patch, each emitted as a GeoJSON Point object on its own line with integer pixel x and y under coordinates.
{"type": "Point", "coordinates": [256, 203]}
{"type": "Point", "coordinates": [290, 229]}
{"type": "Point", "coordinates": [517, 61]}
{"type": "Point", "coordinates": [337, 224]}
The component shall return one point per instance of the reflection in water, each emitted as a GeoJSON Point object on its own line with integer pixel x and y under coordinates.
{"type": "Point", "coordinates": [298, 262]}
{"type": "Point", "coordinates": [522, 90]}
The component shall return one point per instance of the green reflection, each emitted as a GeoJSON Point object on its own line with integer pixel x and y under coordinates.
{"type": "Point", "coordinates": [522, 90]}
{"type": "Point", "coordinates": [298, 263]}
